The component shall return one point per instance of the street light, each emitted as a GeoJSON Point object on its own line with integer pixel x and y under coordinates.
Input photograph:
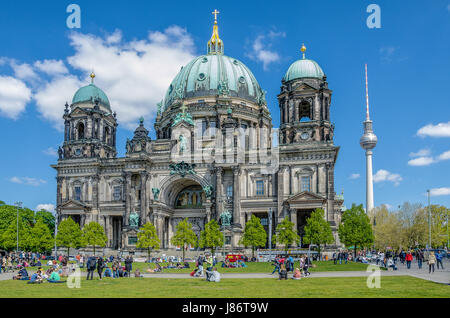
{"type": "Point", "coordinates": [18, 205]}
{"type": "Point", "coordinates": [429, 221]}
{"type": "Point", "coordinates": [56, 231]}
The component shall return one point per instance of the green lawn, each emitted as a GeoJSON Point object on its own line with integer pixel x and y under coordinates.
{"type": "Point", "coordinates": [322, 266]}
{"type": "Point", "coordinates": [351, 287]}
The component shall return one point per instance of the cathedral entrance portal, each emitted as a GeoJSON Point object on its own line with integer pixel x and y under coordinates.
{"type": "Point", "coordinates": [302, 215]}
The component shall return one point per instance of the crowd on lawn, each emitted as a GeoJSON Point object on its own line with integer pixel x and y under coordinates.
{"type": "Point", "coordinates": [390, 259]}
{"type": "Point", "coordinates": [283, 265]}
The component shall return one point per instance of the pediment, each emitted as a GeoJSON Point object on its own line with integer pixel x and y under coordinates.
{"type": "Point", "coordinates": [304, 87]}
{"type": "Point", "coordinates": [78, 111]}
{"type": "Point", "coordinates": [73, 204]}
{"type": "Point", "coordinates": [304, 197]}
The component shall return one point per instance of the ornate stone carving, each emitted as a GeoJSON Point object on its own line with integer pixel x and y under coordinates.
{"type": "Point", "coordinates": [182, 168]}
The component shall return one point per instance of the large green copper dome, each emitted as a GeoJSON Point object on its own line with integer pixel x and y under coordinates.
{"type": "Point", "coordinates": [90, 93]}
{"type": "Point", "coordinates": [214, 74]}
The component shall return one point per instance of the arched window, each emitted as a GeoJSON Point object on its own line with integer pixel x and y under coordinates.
{"type": "Point", "coordinates": [191, 197]}
{"type": "Point", "coordinates": [304, 111]}
{"type": "Point", "coordinates": [80, 130]}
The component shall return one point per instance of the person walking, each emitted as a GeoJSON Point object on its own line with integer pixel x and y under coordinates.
{"type": "Point", "coordinates": [431, 262]}
{"type": "Point", "coordinates": [419, 257]}
{"type": "Point", "coordinates": [439, 259]}
{"type": "Point", "coordinates": [100, 265]}
{"type": "Point", "coordinates": [408, 259]}
{"type": "Point", "coordinates": [334, 258]}
{"type": "Point", "coordinates": [276, 265]}
{"type": "Point", "coordinates": [91, 267]}
{"type": "Point", "coordinates": [200, 265]}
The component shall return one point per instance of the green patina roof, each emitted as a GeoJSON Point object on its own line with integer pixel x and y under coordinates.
{"type": "Point", "coordinates": [303, 68]}
{"type": "Point", "coordinates": [89, 93]}
{"type": "Point", "coordinates": [211, 75]}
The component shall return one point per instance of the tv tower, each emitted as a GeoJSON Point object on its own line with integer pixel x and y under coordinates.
{"type": "Point", "coordinates": [368, 141]}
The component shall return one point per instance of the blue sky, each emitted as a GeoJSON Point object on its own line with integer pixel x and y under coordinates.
{"type": "Point", "coordinates": [43, 62]}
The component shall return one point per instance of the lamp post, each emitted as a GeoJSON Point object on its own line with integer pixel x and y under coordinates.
{"type": "Point", "coordinates": [270, 213]}
{"type": "Point", "coordinates": [56, 231]}
{"type": "Point", "coordinates": [429, 221]}
{"type": "Point", "coordinates": [18, 205]}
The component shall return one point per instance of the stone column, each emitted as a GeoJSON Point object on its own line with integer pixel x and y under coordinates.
{"type": "Point", "coordinates": [219, 207]}
{"type": "Point", "coordinates": [95, 197]}
{"type": "Point", "coordinates": [286, 110]}
{"type": "Point", "coordinates": [296, 111]}
{"type": "Point", "coordinates": [236, 196]}
{"type": "Point", "coordinates": [127, 190]}
{"type": "Point", "coordinates": [143, 202]}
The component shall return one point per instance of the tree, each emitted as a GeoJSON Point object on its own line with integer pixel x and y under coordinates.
{"type": "Point", "coordinates": [8, 216]}
{"type": "Point", "coordinates": [94, 235]}
{"type": "Point", "coordinates": [41, 239]}
{"type": "Point", "coordinates": [9, 236]}
{"type": "Point", "coordinates": [211, 237]}
{"type": "Point", "coordinates": [184, 235]}
{"type": "Point", "coordinates": [355, 228]}
{"type": "Point", "coordinates": [147, 238]}
{"type": "Point", "coordinates": [286, 235]}
{"type": "Point", "coordinates": [254, 234]}
{"type": "Point", "coordinates": [387, 228]}
{"type": "Point", "coordinates": [69, 235]}
{"type": "Point", "coordinates": [48, 218]}
{"type": "Point", "coordinates": [318, 230]}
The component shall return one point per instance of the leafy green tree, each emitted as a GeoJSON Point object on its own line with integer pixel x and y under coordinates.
{"type": "Point", "coordinates": [355, 228]}
{"type": "Point", "coordinates": [387, 228]}
{"type": "Point", "coordinates": [9, 237]}
{"type": "Point", "coordinates": [211, 237]}
{"type": "Point", "coordinates": [47, 217]}
{"type": "Point", "coordinates": [94, 235]}
{"type": "Point", "coordinates": [184, 235]}
{"type": "Point", "coordinates": [41, 239]}
{"type": "Point", "coordinates": [2, 202]}
{"type": "Point", "coordinates": [8, 216]}
{"type": "Point", "coordinates": [69, 235]}
{"type": "Point", "coordinates": [318, 230]}
{"type": "Point", "coordinates": [286, 235]}
{"type": "Point", "coordinates": [254, 234]}
{"type": "Point", "coordinates": [148, 238]}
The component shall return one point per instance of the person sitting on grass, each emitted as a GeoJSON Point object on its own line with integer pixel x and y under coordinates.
{"type": "Point", "coordinates": [137, 273]}
{"type": "Point", "coordinates": [283, 272]}
{"type": "Point", "coordinates": [54, 277]}
{"type": "Point", "coordinates": [213, 276]}
{"type": "Point", "coordinates": [186, 265]}
{"type": "Point", "coordinates": [297, 274]}
{"type": "Point", "coordinates": [22, 275]}
{"type": "Point", "coordinates": [36, 278]}
{"type": "Point", "coordinates": [108, 272]}
{"type": "Point", "coordinates": [390, 263]}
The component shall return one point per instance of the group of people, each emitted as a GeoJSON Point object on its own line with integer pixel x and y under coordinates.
{"type": "Point", "coordinates": [341, 256]}
{"type": "Point", "coordinates": [283, 265]}
{"type": "Point", "coordinates": [206, 265]}
{"type": "Point", "coordinates": [117, 269]}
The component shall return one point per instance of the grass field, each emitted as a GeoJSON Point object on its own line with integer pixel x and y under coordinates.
{"type": "Point", "coordinates": [351, 287]}
{"type": "Point", "coordinates": [322, 266]}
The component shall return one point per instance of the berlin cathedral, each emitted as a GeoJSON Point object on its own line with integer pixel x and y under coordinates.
{"type": "Point", "coordinates": [215, 156]}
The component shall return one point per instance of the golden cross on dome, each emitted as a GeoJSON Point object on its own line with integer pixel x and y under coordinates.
{"type": "Point", "coordinates": [215, 12]}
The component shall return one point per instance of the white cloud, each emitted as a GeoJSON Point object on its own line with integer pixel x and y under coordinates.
{"type": "Point", "coordinates": [421, 161]}
{"type": "Point", "coordinates": [23, 71]}
{"type": "Point", "coordinates": [27, 181]}
{"type": "Point", "coordinates": [421, 153]}
{"type": "Point", "coordinates": [261, 49]}
{"type": "Point", "coordinates": [439, 130]}
{"type": "Point", "coordinates": [134, 75]}
{"type": "Point", "coordinates": [14, 95]}
{"type": "Point", "coordinates": [440, 191]}
{"type": "Point", "coordinates": [384, 175]}
{"type": "Point", "coordinates": [387, 53]}
{"type": "Point", "coordinates": [444, 156]}
{"type": "Point", "coordinates": [46, 206]}
{"type": "Point", "coordinates": [51, 152]}
{"type": "Point", "coordinates": [51, 67]}
{"type": "Point", "coordinates": [51, 98]}
{"type": "Point", "coordinates": [354, 176]}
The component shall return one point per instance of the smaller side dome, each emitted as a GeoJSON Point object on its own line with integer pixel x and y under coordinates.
{"type": "Point", "coordinates": [90, 93]}
{"type": "Point", "coordinates": [303, 68]}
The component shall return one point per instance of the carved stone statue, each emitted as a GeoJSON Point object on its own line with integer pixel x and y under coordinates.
{"type": "Point", "coordinates": [208, 191]}
{"type": "Point", "coordinates": [129, 147]}
{"type": "Point", "coordinates": [225, 217]}
{"type": "Point", "coordinates": [155, 193]}
{"type": "Point", "coordinates": [134, 219]}
{"type": "Point", "coordinates": [60, 153]}
{"type": "Point", "coordinates": [182, 141]}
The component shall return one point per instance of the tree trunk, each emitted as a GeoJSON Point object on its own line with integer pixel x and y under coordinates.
{"type": "Point", "coordinates": [320, 255]}
{"type": "Point", "coordinates": [183, 251]}
{"type": "Point", "coordinates": [253, 251]}
{"type": "Point", "coordinates": [148, 253]}
{"type": "Point", "coordinates": [68, 251]}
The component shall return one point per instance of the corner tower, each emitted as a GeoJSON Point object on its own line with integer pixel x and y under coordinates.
{"type": "Point", "coordinates": [89, 125]}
